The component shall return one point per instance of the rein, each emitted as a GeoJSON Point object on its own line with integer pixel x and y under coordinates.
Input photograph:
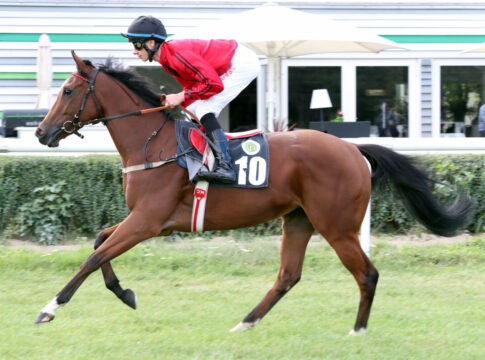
{"type": "Point", "coordinates": [76, 124]}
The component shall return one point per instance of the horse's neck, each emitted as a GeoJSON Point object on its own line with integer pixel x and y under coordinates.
{"type": "Point", "coordinates": [130, 134]}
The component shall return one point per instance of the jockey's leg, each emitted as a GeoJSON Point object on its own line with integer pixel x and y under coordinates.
{"type": "Point", "coordinates": [223, 171]}
{"type": "Point", "coordinates": [243, 69]}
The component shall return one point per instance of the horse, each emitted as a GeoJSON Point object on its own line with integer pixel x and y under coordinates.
{"type": "Point", "coordinates": [317, 182]}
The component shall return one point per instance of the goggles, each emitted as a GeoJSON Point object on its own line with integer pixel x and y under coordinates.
{"type": "Point", "coordinates": [138, 45]}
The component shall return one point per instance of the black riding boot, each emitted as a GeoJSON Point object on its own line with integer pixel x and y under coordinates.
{"type": "Point", "coordinates": [223, 171]}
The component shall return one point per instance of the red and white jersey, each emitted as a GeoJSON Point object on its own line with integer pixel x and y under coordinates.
{"type": "Point", "coordinates": [197, 65]}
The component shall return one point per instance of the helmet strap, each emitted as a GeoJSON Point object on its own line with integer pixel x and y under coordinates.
{"type": "Point", "coordinates": [152, 52]}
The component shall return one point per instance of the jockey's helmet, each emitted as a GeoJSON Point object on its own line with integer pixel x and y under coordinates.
{"type": "Point", "coordinates": [145, 28]}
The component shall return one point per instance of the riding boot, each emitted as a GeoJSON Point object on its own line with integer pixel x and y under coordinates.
{"type": "Point", "coordinates": [223, 171]}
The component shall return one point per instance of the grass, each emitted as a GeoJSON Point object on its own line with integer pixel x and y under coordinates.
{"type": "Point", "coordinates": [429, 304]}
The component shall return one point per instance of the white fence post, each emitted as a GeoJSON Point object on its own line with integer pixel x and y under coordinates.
{"type": "Point", "coordinates": [365, 226]}
{"type": "Point", "coordinates": [365, 231]}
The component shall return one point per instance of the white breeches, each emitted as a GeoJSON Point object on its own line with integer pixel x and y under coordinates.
{"type": "Point", "coordinates": [243, 69]}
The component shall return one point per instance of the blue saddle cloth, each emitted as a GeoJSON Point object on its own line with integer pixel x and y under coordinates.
{"type": "Point", "coordinates": [249, 157]}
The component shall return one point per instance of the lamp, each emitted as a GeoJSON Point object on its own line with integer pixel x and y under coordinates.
{"type": "Point", "coordinates": [320, 100]}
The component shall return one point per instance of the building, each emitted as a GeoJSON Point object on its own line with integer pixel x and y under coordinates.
{"type": "Point", "coordinates": [431, 89]}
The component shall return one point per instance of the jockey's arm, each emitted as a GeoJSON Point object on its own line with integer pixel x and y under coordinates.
{"type": "Point", "coordinates": [173, 100]}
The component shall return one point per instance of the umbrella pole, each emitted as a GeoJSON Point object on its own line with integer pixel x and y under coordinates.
{"type": "Point", "coordinates": [270, 93]}
{"type": "Point", "coordinates": [277, 116]}
{"type": "Point", "coordinates": [44, 72]}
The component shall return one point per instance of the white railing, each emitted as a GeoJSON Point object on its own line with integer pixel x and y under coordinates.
{"type": "Point", "coordinates": [97, 139]}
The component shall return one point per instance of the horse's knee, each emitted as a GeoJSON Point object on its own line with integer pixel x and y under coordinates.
{"type": "Point", "coordinates": [286, 280]}
{"type": "Point", "coordinates": [93, 262]}
{"type": "Point", "coordinates": [102, 236]}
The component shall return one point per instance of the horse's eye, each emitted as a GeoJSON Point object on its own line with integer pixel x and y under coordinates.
{"type": "Point", "coordinates": [67, 91]}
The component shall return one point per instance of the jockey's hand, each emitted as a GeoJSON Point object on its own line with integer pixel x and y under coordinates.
{"type": "Point", "coordinates": [173, 100]}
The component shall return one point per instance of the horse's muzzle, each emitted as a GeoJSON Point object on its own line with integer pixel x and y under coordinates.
{"type": "Point", "coordinates": [51, 139]}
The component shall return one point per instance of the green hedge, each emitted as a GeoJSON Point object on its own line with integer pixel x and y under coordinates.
{"type": "Point", "coordinates": [454, 174]}
{"type": "Point", "coordinates": [94, 185]}
{"type": "Point", "coordinates": [82, 195]}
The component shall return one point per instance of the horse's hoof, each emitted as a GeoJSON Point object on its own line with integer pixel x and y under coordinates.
{"type": "Point", "coordinates": [44, 318]}
{"type": "Point", "coordinates": [243, 326]}
{"type": "Point", "coordinates": [359, 332]}
{"type": "Point", "coordinates": [129, 298]}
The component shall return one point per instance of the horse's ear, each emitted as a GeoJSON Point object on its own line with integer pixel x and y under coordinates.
{"type": "Point", "coordinates": [81, 66]}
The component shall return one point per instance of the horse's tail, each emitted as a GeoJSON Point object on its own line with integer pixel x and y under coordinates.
{"type": "Point", "coordinates": [413, 187]}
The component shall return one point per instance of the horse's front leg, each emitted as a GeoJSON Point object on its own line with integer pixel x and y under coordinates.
{"type": "Point", "coordinates": [110, 279]}
{"type": "Point", "coordinates": [134, 229]}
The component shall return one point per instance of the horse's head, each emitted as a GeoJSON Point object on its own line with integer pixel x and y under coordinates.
{"type": "Point", "coordinates": [76, 103]}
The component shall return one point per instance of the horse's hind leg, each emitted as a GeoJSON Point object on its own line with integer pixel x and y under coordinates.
{"type": "Point", "coordinates": [110, 279]}
{"type": "Point", "coordinates": [297, 231]}
{"type": "Point", "coordinates": [354, 259]}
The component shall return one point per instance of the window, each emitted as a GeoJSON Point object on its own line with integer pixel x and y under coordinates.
{"type": "Point", "coordinates": [301, 83]}
{"type": "Point", "coordinates": [382, 99]}
{"type": "Point", "coordinates": [461, 95]}
{"type": "Point", "coordinates": [159, 78]}
{"type": "Point", "coordinates": [242, 110]}
{"type": "Point", "coordinates": [241, 114]}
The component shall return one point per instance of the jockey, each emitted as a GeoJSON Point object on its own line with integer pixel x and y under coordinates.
{"type": "Point", "coordinates": [212, 73]}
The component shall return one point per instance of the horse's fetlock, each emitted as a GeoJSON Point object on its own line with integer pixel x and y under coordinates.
{"type": "Point", "coordinates": [113, 284]}
{"type": "Point", "coordinates": [61, 300]}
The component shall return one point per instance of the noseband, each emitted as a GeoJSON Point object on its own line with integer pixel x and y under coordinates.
{"type": "Point", "coordinates": [72, 126]}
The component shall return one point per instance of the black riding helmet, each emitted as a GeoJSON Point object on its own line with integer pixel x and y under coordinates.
{"type": "Point", "coordinates": [144, 28]}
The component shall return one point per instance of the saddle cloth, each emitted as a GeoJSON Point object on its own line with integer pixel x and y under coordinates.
{"type": "Point", "coordinates": [249, 154]}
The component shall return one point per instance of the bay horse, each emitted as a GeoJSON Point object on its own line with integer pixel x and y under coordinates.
{"type": "Point", "coordinates": [316, 182]}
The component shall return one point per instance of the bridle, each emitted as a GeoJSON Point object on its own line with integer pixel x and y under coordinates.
{"type": "Point", "coordinates": [72, 126]}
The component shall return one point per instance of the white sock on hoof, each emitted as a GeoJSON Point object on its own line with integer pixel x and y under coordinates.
{"type": "Point", "coordinates": [243, 326]}
{"type": "Point", "coordinates": [51, 307]}
{"type": "Point", "coordinates": [359, 332]}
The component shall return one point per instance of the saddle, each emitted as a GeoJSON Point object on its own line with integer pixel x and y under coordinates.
{"type": "Point", "coordinates": [249, 154]}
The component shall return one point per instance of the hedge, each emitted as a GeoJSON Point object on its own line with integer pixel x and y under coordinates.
{"type": "Point", "coordinates": [82, 195]}
{"type": "Point", "coordinates": [454, 175]}
{"type": "Point", "coordinates": [93, 183]}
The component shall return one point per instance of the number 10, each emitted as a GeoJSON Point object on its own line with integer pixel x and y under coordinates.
{"type": "Point", "coordinates": [256, 174]}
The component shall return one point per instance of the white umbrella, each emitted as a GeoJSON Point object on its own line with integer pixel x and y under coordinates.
{"type": "Point", "coordinates": [478, 49]}
{"type": "Point", "coordinates": [276, 32]}
{"type": "Point", "coordinates": [44, 72]}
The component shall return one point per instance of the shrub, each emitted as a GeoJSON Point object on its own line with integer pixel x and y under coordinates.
{"type": "Point", "coordinates": [96, 199]}
{"type": "Point", "coordinates": [94, 184]}
{"type": "Point", "coordinates": [45, 217]}
{"type": "Point", "coordinates": [454, 175]}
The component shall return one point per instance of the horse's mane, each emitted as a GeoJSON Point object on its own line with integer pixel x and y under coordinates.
{"type": "Point", "coordinates": [137, 83]}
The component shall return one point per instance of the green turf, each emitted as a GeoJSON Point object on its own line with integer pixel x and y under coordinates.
{"type": "Point", "coordinates": [429, 304]}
